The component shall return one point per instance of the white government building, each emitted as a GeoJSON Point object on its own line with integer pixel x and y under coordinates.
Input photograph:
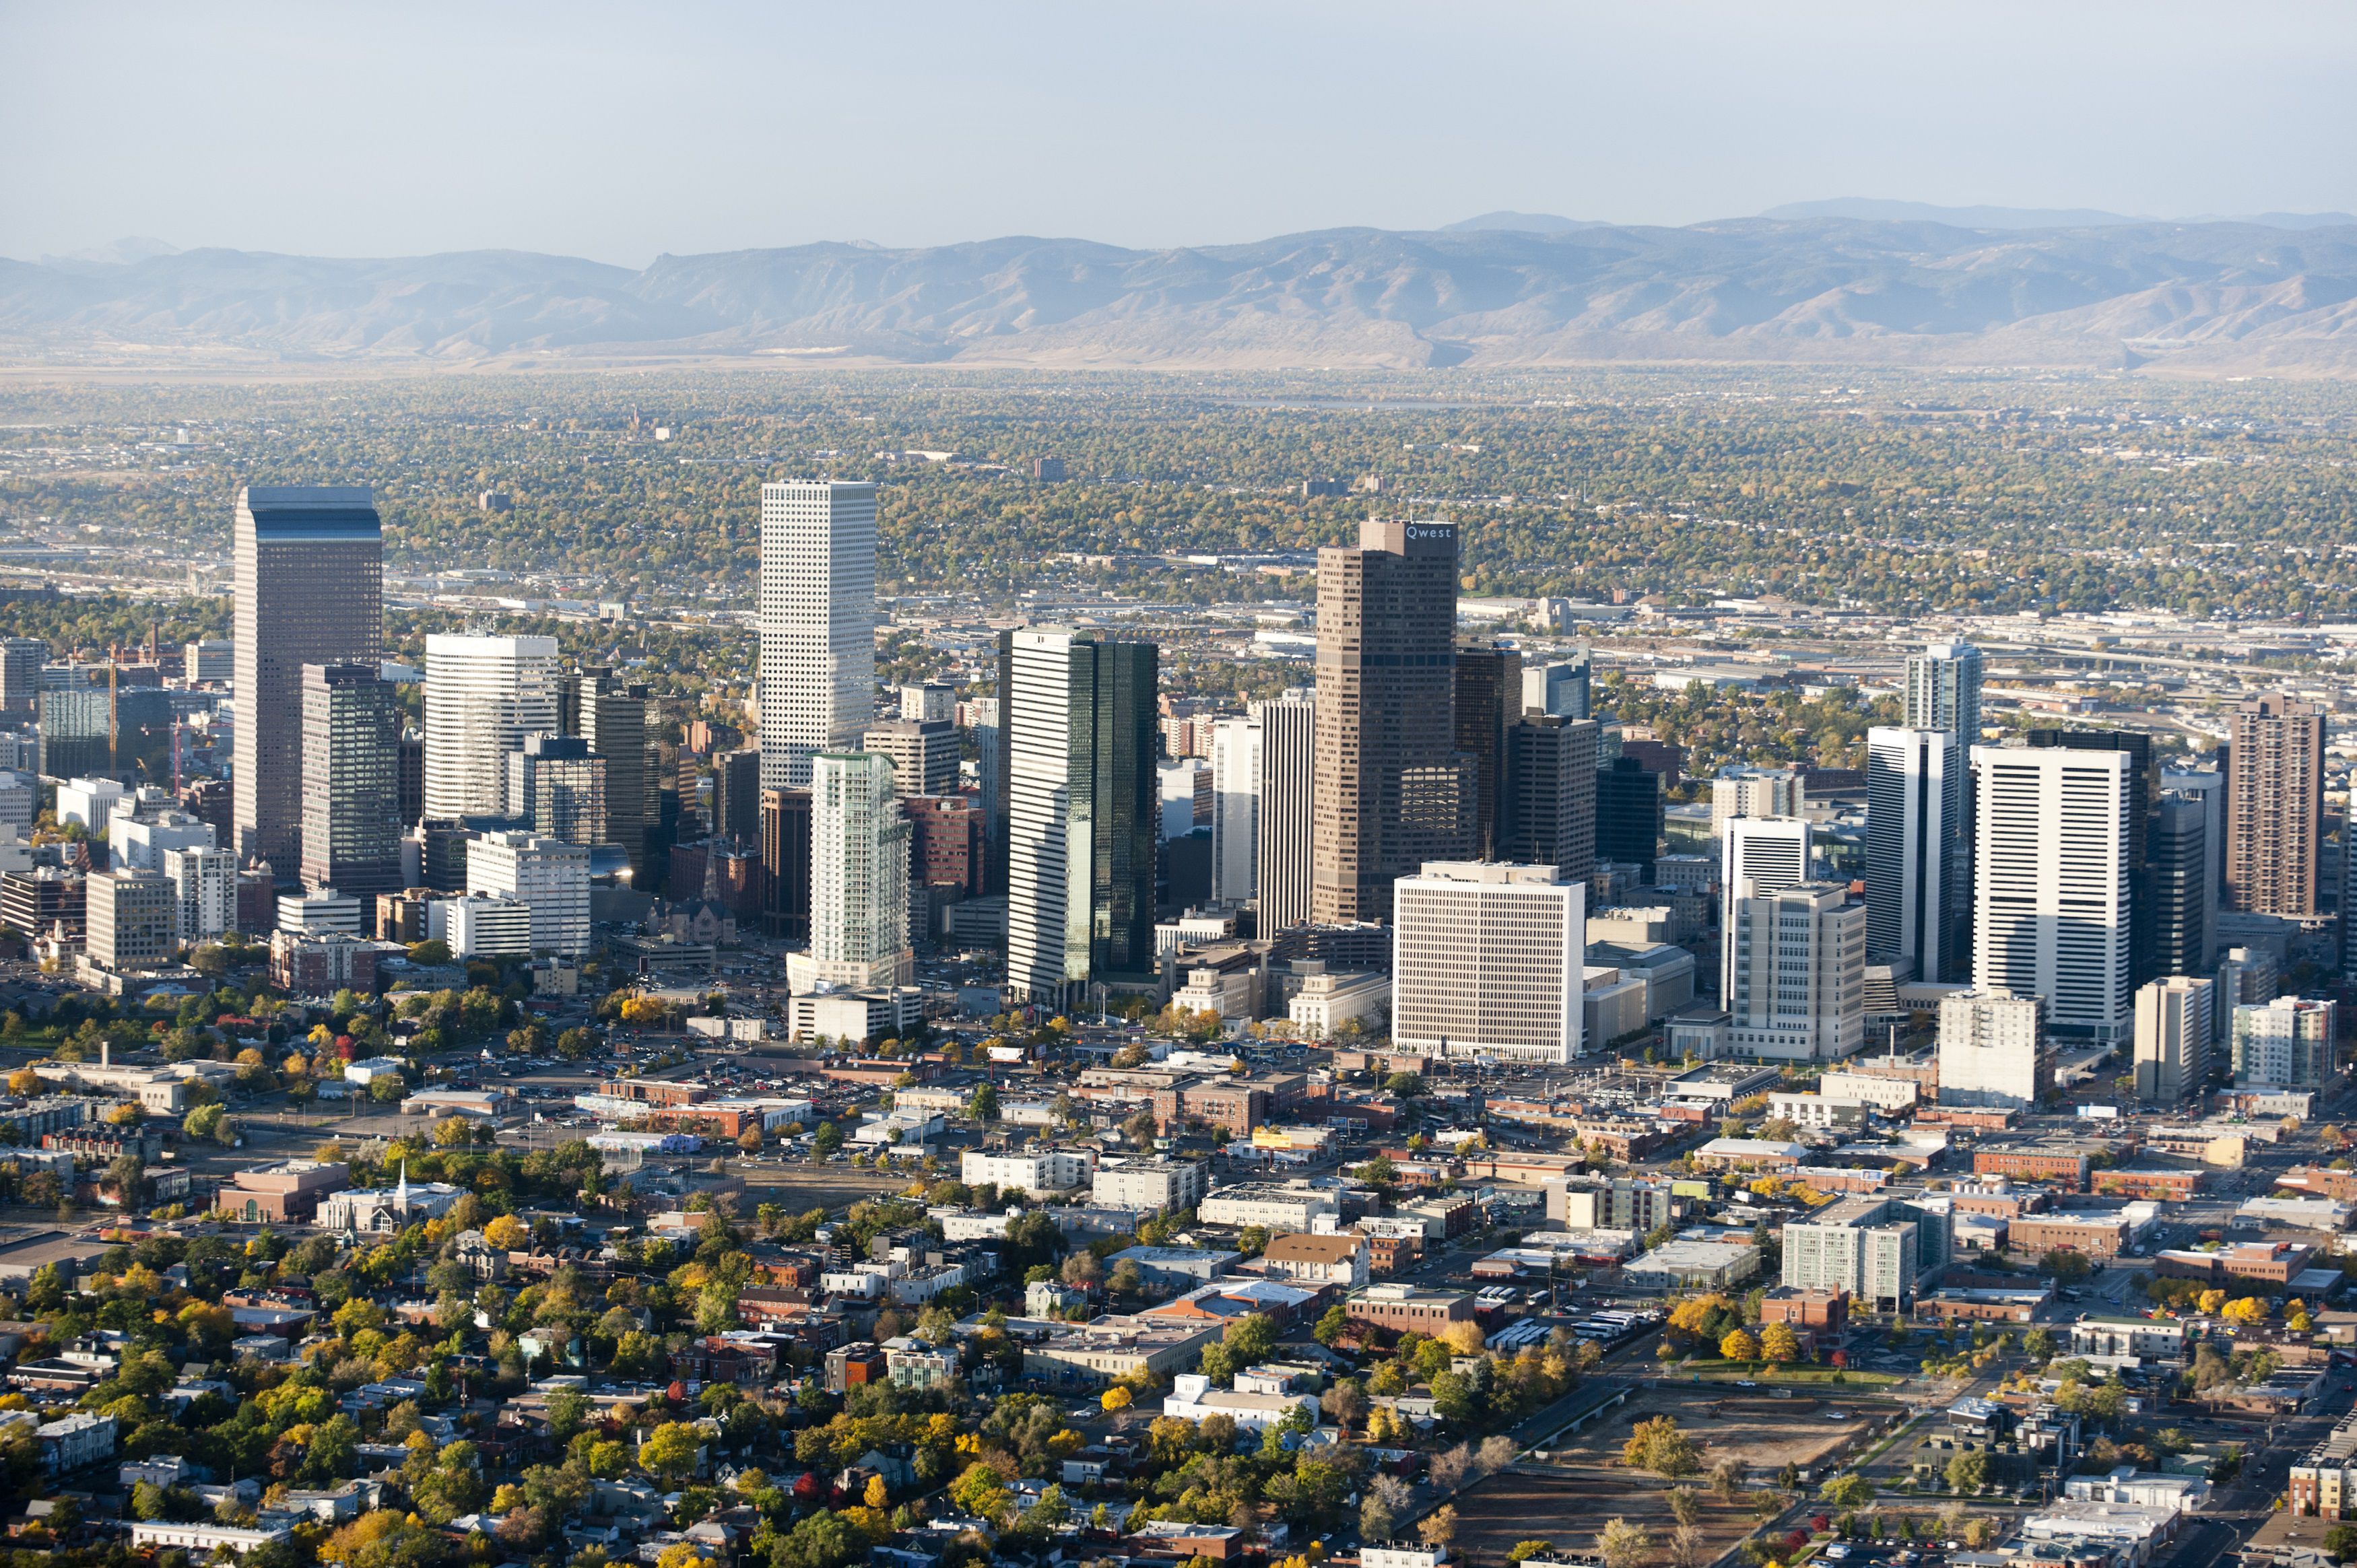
{"type": "Point", "coordinates": [1489, 960]}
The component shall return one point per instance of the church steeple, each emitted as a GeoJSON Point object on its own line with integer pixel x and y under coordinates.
{"type": "Point", "coordinates": [400, 1190]}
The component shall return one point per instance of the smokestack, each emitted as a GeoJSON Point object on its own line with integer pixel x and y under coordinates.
{"type": "Point", "coordinates": [103, 1047]}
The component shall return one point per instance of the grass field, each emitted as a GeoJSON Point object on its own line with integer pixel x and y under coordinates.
{"type": "Point", "coordinates": [1770, 1372]}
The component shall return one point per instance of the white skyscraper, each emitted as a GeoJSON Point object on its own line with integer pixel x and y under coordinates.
{"type": "Point", "coordinates": [205, 883]}
{"type": "Point", "coordinates": [483, 695]}
{"type": "Point", "coordinates": [1489, 960]}
{"type": "Point", "coordinates": [1047, 894]}
{"type": "Point", "coordinates": [1943, 691]}
{"type": "Point", "coordinates": [1795, 972]}
{"type": "Point", "coordinates": [1283, 808]}
{"type": "Point", "coordinates": [1758, 855]}
{"type": "Point", "coordinates": [551, 876]}
{"type": "Point", "coordinates": [859, 878]}
{"type": "Point", "coordinates": [2051, 891]}
{"type": "Point", "coordinates": [817, 677]}
{"type": "Point", "coordinates": [1993, 1050]}
{"type": "Point", "coordinates": [1756, 792]}
{"type": "Point", "coordinates": [2172, 1037]}
{"type": "Point", "coordinates": [1917, 898]}
{"type": "Point", "coordinates": [1235, 808]}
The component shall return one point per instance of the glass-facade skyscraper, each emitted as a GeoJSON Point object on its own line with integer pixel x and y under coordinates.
{"type": "Point", "coordinates": [351, 780]}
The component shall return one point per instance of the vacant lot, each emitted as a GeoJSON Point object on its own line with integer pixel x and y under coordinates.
{"type": "Point", "coordinates": [1566, 1505]}
{"type": "Point", "coordinates": [1763, 1432]}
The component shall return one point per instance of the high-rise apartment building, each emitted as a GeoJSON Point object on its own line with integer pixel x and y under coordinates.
{"type": "Point", "coordinates": [1488, 959]}
{"type": "Point", "coordinates": [2185, 912]}
{"type": "Point", "coordinates": [1561, 689]}
{"type": "Point", "coordinates": [2274, 806]}
{"type": "Point", "coordinates": [786, 864]}
{"type": "Point", "coordinates": [21, 658]}
{"type": "Point", "coordinates": [551, 876]}
{"type": "Point", "coordinates": [611, 715]}
{"type": "Point", "coordinates": [736, 795]}
{"type": "Point", "coordinates": [946, 844]}
{"type": "Point", "coordinates": [2173, 1031]}
{"type": "Point", "coordinates": [1284, 809]}
{"type": "Point", "coordinates": [1235, 809]}
{"type": "Point", "coordinates": [1794, 975]}
{"type": "Point", "coordinates": [930, 701]}
{"type": "Point", "coordinates": [1628, 813]}
{"type": "Point", "coordinates": [1488, 693]}
{"type": "Point", "coordinates": [556, 787]}
{"type": "Point", "coordinates": [308, 562]}
{"type": "Point", "coordinates": [2247, 977]}
{"type": "Point", "coordinates": [924, 754]}
{"type": "Point", "coordinates": [1756, 792]}
{"type": "Point", "coordinates": [1392, 792]}
{"type": "Point", "coordinates": [1881, 1248]}
{"type": "Point", "coordinates": [1993, 1050]}
{"type": "Point", "coordinates": [1918, 900]}
{"type": "Point", "coordinates": [1081, 813]}
{"type": "Point", "coordinates": [351, 780]}
{"type": "Point", "coordinates": [1943, 691]}
{"type": "Point", "coordinates": [817, 681]}
{"type": "Point", "coordinates": [483, 695]}
{"type": "Point", "coordinates": [204, 890]}
{"type": "Point", "coordinates": [2284, 1044]}
{"type": "Point", "coordinates": [1549, 815]}
{"type": "Point", "coordinates": [859, 876]}
{"type": "Point", "coordinates": [2050, 884]}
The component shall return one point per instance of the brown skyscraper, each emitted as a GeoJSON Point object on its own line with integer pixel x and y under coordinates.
{"type": "Point", "coordinates": [2274, 806]}
{"type": "Point", "coordinates": [1391, 789]}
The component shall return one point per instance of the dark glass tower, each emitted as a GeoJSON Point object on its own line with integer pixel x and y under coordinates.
{"type": "Point", "coordinates": [1549, 816]}
{"type": "Point", "coordinates": [1628, 813]}
{"type": "Point", "coordinates": [1488, 698]}
{"type": "Point", "coordinates": [351, 780]}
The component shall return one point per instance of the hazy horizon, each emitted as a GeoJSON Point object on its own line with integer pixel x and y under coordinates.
{"type": "Point", "coordinates": [617, 135]}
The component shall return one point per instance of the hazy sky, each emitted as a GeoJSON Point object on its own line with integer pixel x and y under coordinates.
{"type": "Point", "coordinates": [620, 132]}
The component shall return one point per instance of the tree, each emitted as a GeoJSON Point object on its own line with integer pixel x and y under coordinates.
{"type": "Point", "coordinates": [2247, 1311]}
{"type": "Point", "coordinates": [1848, 1491]}
{"type": "Point", "coordinates": [984, 1106]}
{"type": "Point", "coordinates": [1375, 1519]}
{"type": "Point", "coordinates": [1658, 1445]}
{"type": "Point", "coordinates": [1686, 1549]}
{"type": "Point", "coordinates": [1968, 1471]}
{"type": "Point", "coordinates": [1727, 1478]}
{"type": "Point", "coordinates": [2341, 1542]}
{"type": "Point", "coordinates": [1780, 1344]}
{"type": "Point", "coordinates": [1521, 1550]}
{"type": "Point", "coordinates": [877, 1495]}
{"type": "Point", "coordinates": [2067, 1267]}
{"type": "Point", "coordinates": [1622, 1545]}
{"type": "Point", "coordinates": [1117, 1398]}
{"type": "Point", "coordinates": [1738, 1346]}
{"type": "Point", "coordinates": [1686, 1506]}
{"type": "Point", "coordinates": [507, 1233]}
{"type": "Point", "coordinates": [2039, 1345]}
{"type": "Point", "coordinates": [1438, 1527]}
{"type": "Point", "coordinates": [671, 1451]}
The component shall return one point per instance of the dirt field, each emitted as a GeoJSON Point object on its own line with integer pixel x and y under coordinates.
{"type": "Point", "coordinates": [1764, 1432]}
{"type": "Point", "coordinates": [1568, 1507]}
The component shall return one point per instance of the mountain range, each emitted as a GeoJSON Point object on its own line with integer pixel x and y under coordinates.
{"type": "Point", "coordinates": [1502, 290]}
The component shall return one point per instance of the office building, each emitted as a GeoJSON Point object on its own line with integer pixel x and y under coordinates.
{"type": "Point", "coordinates": [1882, 1249]}
{"type": "Point", "coordinates": [309, 573]}
{"type": "Point", "coordinates": [1081, 813]}
{"type": "Point", "coordinates": [1918, 895]}
{"type": "Point", "coordinates": [1993, 1050]}
{"type": "Point", "coordinates": [1391, 790]}
{"type": "Point", "coordinates": [1235, 809]}
{"type": "Point", "coordinates": [322, 911]}
{"type": "Point", "coordinates": [1628, 813]}
{"type": "Point", "coordinates": [1284, 809]}
{"type": "Point", "coordinates": [137, 843]}
{"type": "Point", "coordinates": [209, 663]}
{"type": "Point", "coordinates": [548, 875]}
{"type": "Point", "coordinates": [859, 878]}
{"type": "Point", "coordinates": [77, 733]}
{"type": "Point", "coordinates": [1794, 984]}
{"type": "Point", "coordinates": [930, 702]}
{"type": "Point", "coordinates": [556, 789]}
{"type": "Point", "coordinates": [2173, 1030]}
{"type": "Point", "coordinates": [817, 681]}
{"type": "Point", "coordinates": [1943, 691]}
{"type": "Point", "coordinates": [2185, 917]}
{"type": "Point", "coordinates": [21, 658]}
{"type": "Point", "coordinates": [611, 715]}
{"type": "Point", "coordinates": [409, 778]}
{"type": "Point", "coordinates": [132, 914]}
{"type": "Point", "coordinates": [1488, 961]}
{"type": "Point", "coordinates": [2143, 814]}
{"type": "Point", "coordinates": [924, 754]}
{"type": "Point", "coordinates": [351, 770]}
{"type": "Point", "coordinates": [1756, 792]}
{"type": "Point", "coordinates": [1488, 693]}
{"type": "Point", "coordinates": [2284, 1044]}
{"type": "Point", "coordinates": [481, 926]}
{"type": "Point", "coordinates": [2274, 806]}
{"type": "Point", "coordinates": [483, 695]}
{"type": "Point", "coordinates": [1560, 689]}
{"type": "Point", "coordinates": [786, 864]}
{"type": "Point", "coordinates": [2051, 884]}
{"type": "Point", "coordinates": [1549, 815]}
{"type": "Point", "coordinates": [1758, 857]}
{"type": "Point", "coordinates": [736, 795]}
{"type": "Point", "coordinates": [947, 847]}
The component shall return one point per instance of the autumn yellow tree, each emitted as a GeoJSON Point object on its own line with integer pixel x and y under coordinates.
{"type": "Point", "coordinates": [507, 1233]}
{"type": "Point", "coordinates": [1779, 1343]}
{"type": "Point", "coordinates": [2212, 1301]}
{"type": "Point", "coordinates": [2248, 1310]}
{"type": "Point", "coordinates": [1738, 1346]}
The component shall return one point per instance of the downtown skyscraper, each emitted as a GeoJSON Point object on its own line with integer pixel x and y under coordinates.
{"type": "Point", "coordinates": [1284, 813]}
{"type": "Point", "coordinates": [2051, 878]}
{"type": "Point", "coordinates": [816, 684]}
{"type": "Point", "coordinates": [1393, 790]}
{"type": "Point", "coordinates": [308, 562]}
{"type": "Point", "coordinates": [483, 695]}
{"type": "Point", "coordinates": [859, 876]}
{"type": "Point", "coordinates": [351, 788]}
{"type": "Point", "coordinates": [2274, 806]}
{"type": "Point", "coordinates": [1918, 879]}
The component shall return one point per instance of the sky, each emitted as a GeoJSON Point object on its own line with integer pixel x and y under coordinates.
{"type": "Point", "coordinates": [619, 132]}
